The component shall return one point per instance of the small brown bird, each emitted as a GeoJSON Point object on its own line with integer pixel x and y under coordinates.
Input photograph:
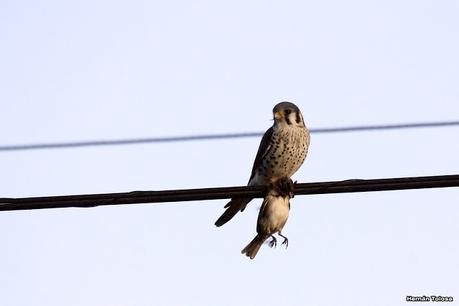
{"type": "Point", "coordinates": [272, 216]}
{"type": "Point", "coordinates": [282, 151]}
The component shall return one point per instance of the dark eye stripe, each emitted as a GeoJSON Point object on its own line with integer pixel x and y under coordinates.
{"type": "Point", "coordinates": [288, 120]}
{"type": "Point", "coordinates": [298, 118]}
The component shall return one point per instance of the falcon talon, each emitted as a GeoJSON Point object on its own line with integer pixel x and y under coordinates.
{"type": "Point", "coordinates": [291, 188]}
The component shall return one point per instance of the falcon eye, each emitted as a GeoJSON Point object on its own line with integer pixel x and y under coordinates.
{"type": "Point", "coordinates": [288, 111]}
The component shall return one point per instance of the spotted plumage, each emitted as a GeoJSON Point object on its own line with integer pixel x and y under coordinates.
{"type": "Point", "coordinates": [282, 151]}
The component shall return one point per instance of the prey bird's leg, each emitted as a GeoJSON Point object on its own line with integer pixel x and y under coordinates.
{"type": "Point", "coordinates": [285, 242]}
{"type": "Point", "coordinates": [273, 242]}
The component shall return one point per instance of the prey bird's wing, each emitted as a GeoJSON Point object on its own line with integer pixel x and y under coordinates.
{"type": "Point", "coordinates": [263, 149]}
{"type": "Point", "coordinates": [262, 214]}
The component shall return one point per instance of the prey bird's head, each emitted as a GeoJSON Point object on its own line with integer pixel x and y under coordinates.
{"type": "Point", "coordinates": [287, 113]}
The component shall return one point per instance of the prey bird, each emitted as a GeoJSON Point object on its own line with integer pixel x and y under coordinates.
{"type": "Point", "coordinates": [272, 216]}
{"type": "Point", "coordinates": [282, 151]}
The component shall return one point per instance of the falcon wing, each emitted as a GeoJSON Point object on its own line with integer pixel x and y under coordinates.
{"type": "Point", "coordinates": [263, 149]}
{"type": "Point", "coordinates": [239, 204]}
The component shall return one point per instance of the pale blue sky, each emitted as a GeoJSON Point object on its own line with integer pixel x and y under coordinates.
{"type": "Point", "coordinates": [88, 70]}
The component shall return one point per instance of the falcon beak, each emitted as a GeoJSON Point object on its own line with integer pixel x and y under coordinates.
{"type": "Point", "coordinates": [278, 115]}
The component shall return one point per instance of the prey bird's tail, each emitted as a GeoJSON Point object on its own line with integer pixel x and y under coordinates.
{"type": "Point", "coordinates": [232, 208]}
{"type": "Point", "coordinates": [252, 248]}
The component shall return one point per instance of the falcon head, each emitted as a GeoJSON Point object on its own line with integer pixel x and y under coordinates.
{"type": "Point", "coordinates": [287, 113]}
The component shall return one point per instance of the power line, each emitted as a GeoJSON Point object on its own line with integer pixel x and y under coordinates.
{"type": "Point", "coordinates": [134, 141]}
{"type": "Point", "coordinates": [138, 197]}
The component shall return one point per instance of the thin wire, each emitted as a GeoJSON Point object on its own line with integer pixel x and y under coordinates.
{"type": "Point", "coordinates": [134, 141]}
{"type": "Point", "coordinates": [138, 197]}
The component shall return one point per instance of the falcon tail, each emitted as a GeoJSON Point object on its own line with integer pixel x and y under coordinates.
{"type": "Point", "coordinates": [252, 248]}
{"type": "Point", "coordinates": [232, 208]}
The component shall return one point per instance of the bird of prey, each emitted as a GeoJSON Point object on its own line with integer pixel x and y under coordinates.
{"type": "Point", "coordinates": [272, 216]}
{"type": "Point", "coordinates": [282, 151]}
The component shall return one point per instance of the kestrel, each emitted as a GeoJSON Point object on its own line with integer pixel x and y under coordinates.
{"type": "Point", "coordinates": [282, 151]}
{"type": "Point", "coordinates": [272, 216]}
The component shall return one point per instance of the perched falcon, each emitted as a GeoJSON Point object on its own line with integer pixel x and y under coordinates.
{"type": "Point", "coordinates": [272, 216]}
{"type": "Point", "coordinates": [282, 151]}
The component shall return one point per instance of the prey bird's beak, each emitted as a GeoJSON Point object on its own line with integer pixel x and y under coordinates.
{"type": "Point", "coordinates": [278, 115]}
